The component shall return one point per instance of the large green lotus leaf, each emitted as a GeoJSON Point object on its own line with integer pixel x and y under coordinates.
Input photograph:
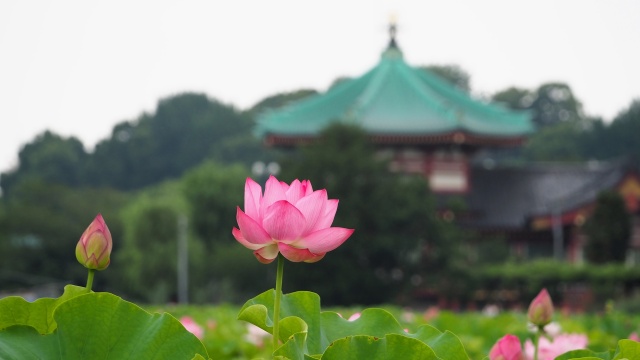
{"type": "Point", "coordinates": [103, 326]}
{"type": "Point", "coordinates": [391, 347]}
{"type": "Point", "coordinates": [299, 312]}
{"type": "Point", "coordinates": [15, 310]}
{"type": "Point", "coordinates": [328, 327]}
{"type": "Point", "coordinates": [585, 354]}
{"type": "Point", "coordinates": [379, 323]}
{"type": "Point", "coordinates": [627, 349]}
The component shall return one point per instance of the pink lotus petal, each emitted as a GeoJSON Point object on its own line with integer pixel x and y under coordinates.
{"type": "Point", "coordinates": [324, 240]}
{"type": "Point", "coordinates": [294, 254]}
{"type": "Point", "coordinates": [273, 191]}
{"type": "Point", "coordinates": [249, 245]}
{"type": "Point", "coordinates": [283, 221]}
{"type": "Point", "coordinates": [306, 186]}
{"type": "Point", "coordinates": [295, 192]}
{"type": "Point", "coordinates": [267, 254]}
{"type": "Point", "coordinates": [251, 230]}
{"type": "Point", "coordinates": [316, 258]}
{"type": "Point", "coordinates": [312, 207]}
{"type": "Point", "coordinates": [330, 208]}
{"type": "Point", "coordinates": [354, 317]}
{"type": "Point", "coordinates": [252, 198]}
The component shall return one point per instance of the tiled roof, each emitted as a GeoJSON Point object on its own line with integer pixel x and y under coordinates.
{"type": "Point", "coordinates": [508, 196]}
{"type": "Point", "coordinates": [394, 98]}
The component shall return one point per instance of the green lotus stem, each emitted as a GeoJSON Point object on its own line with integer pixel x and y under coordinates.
{"type": "Point", "coordinates": [90, 279]}
{"type": "Point", "coordinates": [276, 304]}
{"type": "Point", "coordinates": [536, 342]}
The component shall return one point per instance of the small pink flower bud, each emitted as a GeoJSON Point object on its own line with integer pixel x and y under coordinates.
{"type": "Point", "coordinates": [94, 247]}
{"type": "Point", "coordinates": [507, 348]}
{"type": "Point", "coordinates": [541, 309]}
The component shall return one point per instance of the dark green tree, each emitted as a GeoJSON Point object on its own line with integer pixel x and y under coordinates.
{"type": "Point", "coordinates": [49, 158]}
{"type": "Point", "coordinates": [551, 103]}
{"type": "Point", "coordinates": [279, 100]}
{"type": "Point", "coordinates": [213, 192]}
{"type": "Point", "coordinates": [454, 74]}
{"type": "Point", "coordinates": [41, 225]}
{"type": "Point", "coordinates": [560, 142]}
{"type": "Point", "coordinates": [392, 214]}
{"type": "Point", "coordinates": [515, 98]}
{"type": "Point", "coordinates": [621, 136]}
{"type": "Point", "coordinates": [608, 230]}
{"type": "Point", "coordinates": [185, 130]}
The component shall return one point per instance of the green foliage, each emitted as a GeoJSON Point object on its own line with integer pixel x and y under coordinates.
{"type": "Point", "coordinates": [608, 230]}
{"type": "Point", "coordinates": [329, 334]}
{"type": "Point", "coordinates": [454, 74]}
{"type": "Point", "coordinates": [49, 158]}
{"type": "Point", "coordinates": [619, 138]}
{"type": "Point", "coordinates": [562, 141]}
{"type": "Point", "coordinates": [279, 100]}
{"type": "Point", "coordinates": [392, 215]}
{"type": "Point", "coordinates": [15, 310]}
{"type": "Point", "coordinates": [42, 224]}
{"type": "Point", "coordinates": [551, 103]}
{"type": "Point", "coordinates": [213, 192]}
{"type": "Point", "coordinates": [100, 325]}
{"type": "Point", "coordinates": [185, 130]}
{"type": "Point", "coordinates": [147, 263]}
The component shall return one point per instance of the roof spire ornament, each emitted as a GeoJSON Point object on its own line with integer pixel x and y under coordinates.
{"type": "Point", "coordinates": [392, 31]}
{"type": "Point", "coordinates": [392, 51]}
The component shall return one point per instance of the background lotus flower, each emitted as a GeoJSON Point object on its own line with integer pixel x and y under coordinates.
{"type": "Point", "coordinates": [541, 309]}
{"type": "Point", "coordinates": [507, 348]}
{"type": "Point", "coordinates": [290, 219]}
{"type": "Point", "coordinates": [192, 326]}
{"type": "Point", "coordinates": [94, 247]}
{"type": "Point", "coordinates": [550, 349]}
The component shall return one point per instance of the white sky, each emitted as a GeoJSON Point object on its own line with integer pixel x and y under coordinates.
{"type": "Point", "coordinates": [79, 67]}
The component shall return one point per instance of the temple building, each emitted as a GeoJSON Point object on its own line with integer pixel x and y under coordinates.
{"type": "Point", "coordinates": [426, 125]}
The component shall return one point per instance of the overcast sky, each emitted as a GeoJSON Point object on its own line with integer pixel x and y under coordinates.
{"type": "Point", "coordinates": [79, 67]}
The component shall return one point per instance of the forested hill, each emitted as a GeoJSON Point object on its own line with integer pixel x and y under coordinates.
{"type": "Point", "coordinates": [188, 128]}
{"type": "Point", "coordinates": [183, 131]}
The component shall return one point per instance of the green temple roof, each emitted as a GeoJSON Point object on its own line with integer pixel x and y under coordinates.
{"type": "Point", "coordinates": [395, 99]}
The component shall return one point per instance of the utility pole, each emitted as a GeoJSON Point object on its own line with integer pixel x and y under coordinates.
{"type": "Point", "coordinates": [183, 260]}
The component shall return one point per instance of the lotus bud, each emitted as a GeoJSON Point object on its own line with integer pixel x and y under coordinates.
{"type": "Point", "coordinates": [541, 309]}
{"type": "Point", "coordinates": [94, 248]}
{"type": "Point", "coordinates": [507, 348]}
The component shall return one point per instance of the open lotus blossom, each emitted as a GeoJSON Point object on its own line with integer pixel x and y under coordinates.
{"type": "Point", "coordinates": [290, 219]}
{"type": "Point", "coordinates": [550, 349]}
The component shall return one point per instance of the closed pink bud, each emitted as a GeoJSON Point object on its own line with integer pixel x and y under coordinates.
{"type": "Point", "coordinates": [541, 309]}
{"type": "Point", "coordinates": [507, 348]}
{"type": "Point", "coordinates": [94, 248]}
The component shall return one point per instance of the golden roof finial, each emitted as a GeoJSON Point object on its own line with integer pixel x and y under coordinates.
{"type": "Point", "coordinates": [392, 30]}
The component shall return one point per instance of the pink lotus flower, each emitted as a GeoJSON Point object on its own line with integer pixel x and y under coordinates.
{"type": "Point", "coordinates": [634, 336]}
{"type": "Point", "coordinates": [255, 335]}
{"type": "Point", "coordinates": [541, 309]}
{"type": "Point", "coordinates": [507, 348]}
{"type": "Point", "coordinates": [192, 326]}
{"type": "Point", "coordinates": [94, 247]}
{"type": "Point", "coordinates": [290, 219]}
{"type": "Point", "coordinates": [550, 349]}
